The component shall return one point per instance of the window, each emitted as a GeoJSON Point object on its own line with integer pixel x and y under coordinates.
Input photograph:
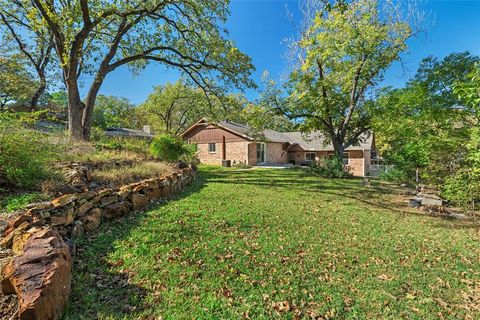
{"type": "Point", "coordinates": [310, 156]}
{"type": "Point", "coordinates": [345, 159]}
{"type": "Point", "coordinates": [212, 147]}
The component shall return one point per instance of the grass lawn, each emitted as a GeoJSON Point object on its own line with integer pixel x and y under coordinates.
{"type": "Point", "coordinates": [279, 244]}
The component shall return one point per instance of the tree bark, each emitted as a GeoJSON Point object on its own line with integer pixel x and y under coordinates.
{"type": "Point", "coordinates": [38, 93]}
{"type": "Point", "coordinates": [87, 115]}
{"type": "Point", "coordinates": [75, 108]}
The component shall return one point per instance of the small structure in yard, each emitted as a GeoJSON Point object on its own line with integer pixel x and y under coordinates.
{"type": "Point", "coordinates": [227, 140]}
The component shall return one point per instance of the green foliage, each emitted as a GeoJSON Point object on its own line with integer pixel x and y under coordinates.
{"type": "Point", "coordinates": [25, 155]}
{"type": "Point", "coordinates": [395, 175]}
{"type": "Point", "coordinates": [422, 126]}
{"type": "Point", "coordinates": [16, 84]}
{"type": "Point", "coordinates": [329, 84]}
{"type": "Point", "coordinates": [114, 112]}
{"type": "Point", "coordinates": [18, 202]}
{"type": "Point", "coordinates": [329, 168]}
{"type": "Point", "coordinates": [174, 107]}
{"type": "Point", "coordinates": [99, 37]}
{"type": "Point", "coordinates": [463, 187]}
{"type": "Point", "coordinates": [171, 149]}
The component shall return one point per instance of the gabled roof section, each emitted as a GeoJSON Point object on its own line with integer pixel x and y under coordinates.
{"type": "Point", "coordinates": [314, 141]}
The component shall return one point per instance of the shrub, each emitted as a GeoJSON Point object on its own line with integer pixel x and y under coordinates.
{"type": "Point", "coordinates": [242, 165]}
{"type": "Point", "coordinates": [25, 154]}
{"type": "Point", "coordinates": [172, 149]}
{"type": "Point", "coordinates": [395, 175]}
{"type": "Point", "coordinates": [329, 168]}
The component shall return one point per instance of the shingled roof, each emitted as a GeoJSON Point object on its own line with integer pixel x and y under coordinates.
{"type": "Point", "coordinates": [314, 141]}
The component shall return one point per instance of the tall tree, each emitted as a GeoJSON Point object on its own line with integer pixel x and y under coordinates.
{"type": "Point", "coordinates": [15, 81]}
{"type": "Point", "coordinates": [100, 36]}
{"type": "Point", "coordinates": [343, 52]}
{"type": "Point", "coordinates": [111, 111]}
{"type": "Point", "coordinates": [173, 107]}
{"type": "Point", "coordinates": [425, 124]}
{"type": "Point", "coordinates": [35, 44]}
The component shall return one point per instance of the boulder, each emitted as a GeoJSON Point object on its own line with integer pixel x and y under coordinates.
{"type": "Point", "coordinates": [154, 194]}
{"type": "Point", "coordinates": [124, 192]}
{"type": "Point", "coordinates": [87, 195]}
{"type": "Point", "coordinates": [83, 209]}
{"type": "Point", "coordinates": [138, 188]}
{"type": "Point", "coordinates": [40, 205]}
{"type": "Point", "coordinates": [92, 219]}
{"type": "Point", "coordinates": [430, 201]}
{"type": "Point", "coordinates": [19, 241]}
{"type": "Point", "coordinates": [108, 200]}
{"type": "Point", "coordinates": [64, 200]}
{"type": "Point", "coordinates": [150, 183]}
{"type": "Point", "coordinates": [7, 241]}
{"type": "Point", "coordinates": [15, 222]}
{"type": "Point", "coordinates": [104, 192]}
{"type": "Point", "coordinates": [64, 218]}
{"type": "Point", "coordinates": [40, 277]}
{"type": "Point", "coordinates": [139, 201]}
{"type": "Point", "coordinates": [117, 209]}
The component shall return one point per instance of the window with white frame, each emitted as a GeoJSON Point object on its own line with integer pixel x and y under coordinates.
{"type": "Point", "coordinates": [310, 156]}
{"type": "Point", "coordinates": [212, 147]}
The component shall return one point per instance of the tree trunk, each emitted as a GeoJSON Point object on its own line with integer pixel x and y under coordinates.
{"type": "Point", "coordinates": [38, 93]}
{"type": "Point", "coordinates": [87, 116]}
{"type": "Point", "coordinates": [75, 108]}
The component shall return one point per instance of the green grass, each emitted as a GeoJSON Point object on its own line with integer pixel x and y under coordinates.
{"type": "Point", "coordinates": [18, 202]}
{"type": "Point", "coordinates": [266, 244]}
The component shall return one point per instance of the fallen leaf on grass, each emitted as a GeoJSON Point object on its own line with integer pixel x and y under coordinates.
{"type": "Point", "coordinates": [282, 306]}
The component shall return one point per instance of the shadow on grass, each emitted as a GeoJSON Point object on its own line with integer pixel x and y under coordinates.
{"type": "Point", "coordinates": [96, 290]}
{"type": "Point", "coordinates": [350, 188]}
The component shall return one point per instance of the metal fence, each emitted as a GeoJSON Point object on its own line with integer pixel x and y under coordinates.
{"type": "Point", "coordinates": [377, 169]}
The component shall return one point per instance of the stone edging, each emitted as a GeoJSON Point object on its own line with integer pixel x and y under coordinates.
{"type": "Point", "coordinates": [41, 239]}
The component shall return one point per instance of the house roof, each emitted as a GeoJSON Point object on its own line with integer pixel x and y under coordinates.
{"type": "Point", "coordinates": [314, 141]}
{"type": "Point", "coordinates": [125, 132]}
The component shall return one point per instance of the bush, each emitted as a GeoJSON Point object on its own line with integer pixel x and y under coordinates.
{"type": "Point", "coordinates": [395, 175]}
{"type": "Point", "coordinates": [329, 168]}
{"type": "Point", "coordinates": [242, 165]}
{"type": "Point", "coordinates": [25, 156]}
{"type": "Point", "coordinates": [172, 149]}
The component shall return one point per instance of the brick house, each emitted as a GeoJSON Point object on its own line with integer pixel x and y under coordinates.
{"type": "Point", "coordinates": [226, 140]}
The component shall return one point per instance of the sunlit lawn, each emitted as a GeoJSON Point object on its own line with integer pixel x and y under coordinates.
{"type": "Point", "coordinates": [279, 244]}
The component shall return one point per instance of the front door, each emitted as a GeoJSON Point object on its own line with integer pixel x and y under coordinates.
{"type": "Point", "coordinates": [261, 152]}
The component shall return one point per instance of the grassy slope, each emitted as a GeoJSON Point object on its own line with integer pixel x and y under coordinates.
{"type": "Point", "coordinates": [247, 243]}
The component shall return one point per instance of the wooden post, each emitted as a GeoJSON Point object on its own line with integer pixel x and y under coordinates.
{"type": "Point", "coordinates": [224, 149]}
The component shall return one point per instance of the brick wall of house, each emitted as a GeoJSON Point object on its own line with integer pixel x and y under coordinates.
{"type": "Point", "coordinates": [235, 151]}
{"type": "Point", "coordinates": [355, 162]}
{"type": "Point", "coordinates": [252, 154]}
{"type": "Point", "coordinates": [275, 153]}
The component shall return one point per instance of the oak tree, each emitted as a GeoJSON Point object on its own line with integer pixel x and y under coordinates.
{"type": "Point", "coordinates": [99, 36]}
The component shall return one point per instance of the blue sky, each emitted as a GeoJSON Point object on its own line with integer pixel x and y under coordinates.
{"type": "Point", "coordinates": [259, 28]}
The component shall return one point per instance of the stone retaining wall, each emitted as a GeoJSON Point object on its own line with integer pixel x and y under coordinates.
{"type": "Point", "coordinates": [42, 239]}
